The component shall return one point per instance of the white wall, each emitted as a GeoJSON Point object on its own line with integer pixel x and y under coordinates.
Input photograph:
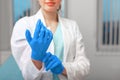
{"type": "Point", "coordinates": [5, 28]}
{"type": "Point", "coordinates": [103, 67]}
{"type": "Point", "coordinates": [5, 24]}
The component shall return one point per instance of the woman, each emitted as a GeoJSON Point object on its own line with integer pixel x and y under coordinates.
{"type": "Point", "coordinates": [49, 47]}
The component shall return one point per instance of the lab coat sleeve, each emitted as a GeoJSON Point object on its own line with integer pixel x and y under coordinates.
{"type": "Point", "coordinates": [77, 69]}
{"type": "Point", "coordinates": [22, 52]}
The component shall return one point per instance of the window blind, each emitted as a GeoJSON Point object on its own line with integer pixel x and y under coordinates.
{"type": "Point", "coordinates": [108, 37]}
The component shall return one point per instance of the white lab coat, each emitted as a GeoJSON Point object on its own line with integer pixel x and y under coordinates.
{"type": "Point", "coordinates": [75, 61]}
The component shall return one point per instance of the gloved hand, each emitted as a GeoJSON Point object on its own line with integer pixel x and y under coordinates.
{"type": "Point", "coordinates": [53, 63]}
{"type": "Point", "coordinates": [40, 42]}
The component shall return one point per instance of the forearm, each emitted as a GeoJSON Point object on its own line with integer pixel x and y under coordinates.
{"type": "Point", "coordinates": [37, 64]}
{"type": "Point", "coordinates": [64, 73]}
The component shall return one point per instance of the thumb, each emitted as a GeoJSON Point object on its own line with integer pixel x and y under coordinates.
{"type": "Point", "coordinates": [28, 36]}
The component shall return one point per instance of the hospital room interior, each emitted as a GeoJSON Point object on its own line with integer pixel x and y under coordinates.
{"type": "Point", "coordinates": [99, 23]}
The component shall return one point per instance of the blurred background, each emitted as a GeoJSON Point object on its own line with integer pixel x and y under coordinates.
{"type": "Point", "coordinates": [99, 23]}
{"type": "Point", "coordinates": [10, 12]}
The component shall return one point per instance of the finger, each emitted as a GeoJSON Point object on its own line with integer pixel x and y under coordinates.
{"type": "Point", "coordinates": [46, 35]}
{"type": "Point", "coordinates": [37, 29]}
{"type": "Point", "coordinates": [56, 63]}
{"type": "Point", "coordinates": [52, 63]}
{"type": "Point", "coordinates": [45, 39]}
{"type": "Point", "coordinates": [50, 36]}
{"type": "Point", "coordinates": [49, 39]}
{"type": "Point", "coordinates": [42, 33]}
{"type": "Point", "coordinates": [28, 36]}
{"type": "Point", "coordinates": [51, 58]}
{"type": "Point", "coordinates": [48, 67]}
{"type": "Point", "coordinates": [47, 57]}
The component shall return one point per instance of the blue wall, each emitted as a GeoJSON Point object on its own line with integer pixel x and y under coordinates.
{"type": "Point", "coordinates": [19, 6]}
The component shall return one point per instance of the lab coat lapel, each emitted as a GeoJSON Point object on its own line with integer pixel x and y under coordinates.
{"type": "Point", "coordinates": [40, 16]}
{"type": "Point", "coordinates": [65, 37]}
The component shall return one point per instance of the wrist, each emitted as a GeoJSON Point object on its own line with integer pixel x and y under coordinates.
{"type": "Point", "coordinates": [38, 64]}
{"type": "Point", "coordinates": [38, 56]}
{"type": "Point", "coordinates": [64, 72]}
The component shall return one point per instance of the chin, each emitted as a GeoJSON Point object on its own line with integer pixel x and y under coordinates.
{"type": "Point", "coordinates": [51, 10]}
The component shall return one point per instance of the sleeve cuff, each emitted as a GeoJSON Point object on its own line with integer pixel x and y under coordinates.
{"type": "Point", "coordinates": [34, 71]}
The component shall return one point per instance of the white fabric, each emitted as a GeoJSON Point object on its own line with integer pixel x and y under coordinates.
{"type": "Point", "coordinates": [75, 61]}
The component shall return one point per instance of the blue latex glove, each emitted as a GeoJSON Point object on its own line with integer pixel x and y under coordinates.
{"type": "Point", "coordinates": [40, 42]}
{"type": "Point", "coordinates": [53, 63]}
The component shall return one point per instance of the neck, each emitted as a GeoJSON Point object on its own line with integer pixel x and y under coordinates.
{"type": "Point", "coordinates": [51, 20]}
{"type": "Point", "coordinates": [50, 16]}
